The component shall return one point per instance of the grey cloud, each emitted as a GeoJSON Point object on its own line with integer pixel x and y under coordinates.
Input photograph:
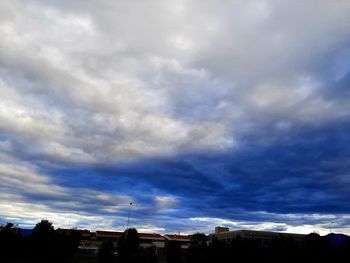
{"type": "Point", "coordinates": [20, 182]}
{"type": "Point", "coordinates": [169, 77]}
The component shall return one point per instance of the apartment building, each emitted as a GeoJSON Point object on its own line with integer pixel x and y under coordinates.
{"type": "Point", "coordinates": [265, 237]}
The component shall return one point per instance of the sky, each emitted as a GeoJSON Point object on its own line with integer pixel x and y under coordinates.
{"type": "Point", "coordinates": [199, 112]}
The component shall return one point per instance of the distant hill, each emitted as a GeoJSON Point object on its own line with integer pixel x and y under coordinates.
{"type": "Point", "coordinates": [337, 239]}
{"type": "Point", "coordinates": [25, 232]}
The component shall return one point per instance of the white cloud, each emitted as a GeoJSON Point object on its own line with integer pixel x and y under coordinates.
{"type": "Point", "coordinates": [112, 87]}
{"type": "Point", "coordinates": [322, 227]}
{"type": "Point", "coordinates": [23, 188]}
{"type": "Point", "coordinates": [165, 202]}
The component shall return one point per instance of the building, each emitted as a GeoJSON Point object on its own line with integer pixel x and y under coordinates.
{"type": "Point", "coordinates": [90, 242]}
{"type": "Point", "coordinates": [220, 229]}
{"type": "Point", "coordinates": [264, 237]}
{"type": "Point", "coordinates": [93, 243]}
{"type": "Point", "coordinates": [87, 245]}
{"type": "Point", "coordinates": [152, 240]}
{"type": "Point", "coordinates": [107, 236]}
{"type": "Point", "coordinates": [182, 239]}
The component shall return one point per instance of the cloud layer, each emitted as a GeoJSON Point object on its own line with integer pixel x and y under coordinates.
{"type": "Point", "coordinates": [199, 112]}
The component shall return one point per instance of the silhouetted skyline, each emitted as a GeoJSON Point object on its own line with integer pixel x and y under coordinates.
{"type": "Point", "coordinates": [231, 113]}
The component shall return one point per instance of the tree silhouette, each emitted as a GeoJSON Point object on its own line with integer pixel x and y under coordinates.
{"type": "Point", "coordinates": [106, 252]}
{"type": "Point", "coordinates": [173, 252]}
{"type": "Point", "coordinates": [218, 250]}
{"type": "Point", "coordinates": [317, 248]}
{"type": "Point", "coordinates": [44, 229]}
{"type": "Point", "coordinates": [128, 246]}
{"type": "Point", "coordinates": [344, 251]}
{"type": "Point", "coordinates": [283, 248]}
{"type": "Point", "coordinates": [43, 241]}
{"type": "Point", "coordinates": [10, 242]}
{"type": "Point", "coordinates": [198, 249]}
{"type": "Point", "coordinates": [66, 243]}
{"type": "Point", "coordinates": [147, 255]}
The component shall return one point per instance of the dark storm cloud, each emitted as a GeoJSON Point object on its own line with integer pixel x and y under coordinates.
{"type": "Point", "coordinates": [304, 172]}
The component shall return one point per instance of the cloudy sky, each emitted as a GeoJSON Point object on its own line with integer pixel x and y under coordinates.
{"type": "Point", "coordinates": [201, 113]}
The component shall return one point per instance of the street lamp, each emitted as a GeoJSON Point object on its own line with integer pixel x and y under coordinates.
{"type": "Point", "coordinates": [129, 216]}
{"type": "Point", "coordinates": [330, 226]}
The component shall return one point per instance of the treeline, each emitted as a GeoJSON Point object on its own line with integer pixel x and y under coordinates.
{"type": "Point", "coordinates": [205, 249]}
{"type": "Point", "coordinates": [313, 248]}
{"type": "Point", "coordinates": [45, 244]}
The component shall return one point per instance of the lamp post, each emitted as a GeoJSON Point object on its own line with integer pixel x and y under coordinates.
{"type": "Point", "coordinates": [330, 226]}
{"type": "Point", "coordinates": [129, 216]}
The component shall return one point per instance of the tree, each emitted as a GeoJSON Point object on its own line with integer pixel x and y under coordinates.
{"type": "Point", "coordinates": [106, 252]}
{"type": "Point", "coordinates": [317, 248]}
{"type": "Point", "coordinates": [217, 250]}
{"type": "Point", "coordinates": [173, 252]}
{"type": "Point", "coordinates": [10, 242]}
{"type": "Point", "coordinates": [44, 229]}
{"type": "Point", "coordinates": [128, 246]}
{"type": "Point", "coordinates": [43, 241]}
{"type": "Point", "coordinates": [283, 248]}
{"type": "Point", "coordinates": [344, 251]}
{"type": "Point", "coordinates": [198, 249]}
{"type": "Point", "coordinates": [66, 243]}
{"type": "Point", "coordinates": [147, 255]}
